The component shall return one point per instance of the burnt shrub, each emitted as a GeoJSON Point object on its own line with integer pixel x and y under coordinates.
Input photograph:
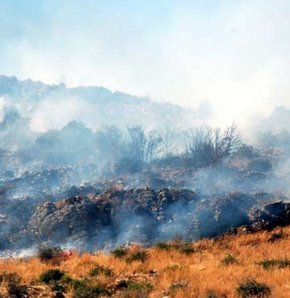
{"type": "Point", "coordinates": [50, 254]}
{"type": "Point", "coordinates": [252, 288]}
{"type": "Point", "coordinates": [51, 276]}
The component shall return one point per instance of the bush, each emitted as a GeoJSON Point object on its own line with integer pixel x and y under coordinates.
{"type": "Point", "coordinates": [207, 146]}
{"type": "Point", "coordinates": [276, 236]}
{"type": "Point", "coordinates": [163, 246]}
{"type": "Point", "coordinates": [16, 290]}
{"type": "Point", "coordinates": [98, 269]}
{"type": "Point", "coordinates": [187, 249]}
{"type": "Point", "coordinates": [51, 275]}
{"type": "Point", "coordinates": [177, 286]}
{"type": "Point", "coordinates": [130, 285]}
{"type": "Point", "coordinates": [252, 288]}
{"type": "Point", "coordinates": [229, 260]}
{"type": "Point", "coordinates": [211, 294]}
{"type": "Point", "coordinates": [50, 254]}
{"type": "Point", "coordinates": [75, 283]}
{"type": "Point", "coordinates": [184, 248]}
{"type": "Point", "coordinates": [90, 292]}
{"type": "Point", "coordinates": [267, 264]}
{"type": "Point", "coordinates": [120, 252]}
{"type": "Point", "coordinates": [140, 255]}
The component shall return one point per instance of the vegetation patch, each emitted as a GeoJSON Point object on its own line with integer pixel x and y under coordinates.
{"type": "Point", "coordinates": [119, 252]}
{"type": "Point", "coordinates": [17, 291]}
{"type": "Point", "coordinates": [51, 275]}
{"type": "Point", "coordinates": [133, 286]}
{"type": "Point", "coordinates": [177, 286]}
{"type": "Point", "coordinates": [268, 264]}
{"type": "Point", "coordinates": [252, 288]}
{"type": "Point", "coordinates": [50, 254]}
{"type": "Point", "coordinates": [98, 269]}
{"type": "Point", "coordinates": [229, 260]}
{"type": "Point", "coordinates": [6, 277]}
{"type": "Point", "coordinates": [163, 246]}
{"type": "Point", "coordinates": [91, 292]}
{"type": "Point", "coordinates": [74, 283]}
{"type": "Point", "coordinates": [184, 248]}
{"type": "Point", "coordinates": [187, 249]}
{"type": "Point", "coordinates": [211, 294]}
{"type": "Point", "coordinates": [276, 236]}
{"type": "Point", "coordinates": [140, 255]}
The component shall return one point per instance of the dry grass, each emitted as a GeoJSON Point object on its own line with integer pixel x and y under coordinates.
{"type": "Point", "coordinates": [173, 273]}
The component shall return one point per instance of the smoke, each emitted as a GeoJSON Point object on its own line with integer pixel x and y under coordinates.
{"type": "Point", "coordinates": [232, 55]}
{"type": "Point", "coordinates": [223, 62]}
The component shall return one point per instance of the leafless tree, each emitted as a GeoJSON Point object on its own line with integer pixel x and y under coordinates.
{"type": "Point", "coordinates": [153, 141]}
{"type": "Point", "coordinates": [143, 147]}
{"type": "Point", "coordinates": [206, 145]}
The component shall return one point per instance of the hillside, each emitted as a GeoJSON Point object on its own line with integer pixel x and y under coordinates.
{"type": "Point", "coordinates": [206, 268]}
{"type": "Point", "coordinates": [53, 106]}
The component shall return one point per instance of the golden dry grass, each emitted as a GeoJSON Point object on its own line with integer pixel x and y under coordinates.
{"type": "Point", "coordinates": [175, 274]}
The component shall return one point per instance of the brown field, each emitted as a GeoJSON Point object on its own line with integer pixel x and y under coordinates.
{"type": "Point", "coordinates": [173, 273]}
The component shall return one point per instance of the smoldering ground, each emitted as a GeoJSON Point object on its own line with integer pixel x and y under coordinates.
{"type": "Point", "coordinates": [153, 176]}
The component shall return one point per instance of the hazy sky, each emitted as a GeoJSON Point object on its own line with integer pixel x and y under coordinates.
{"type": "Point", "coordinates": [234, 55]}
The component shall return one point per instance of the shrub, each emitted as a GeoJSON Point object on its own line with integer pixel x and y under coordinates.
{"type": "Point", "coordinates": [177, 286]}
{"type": "Point", "coordinates": [131, 285]}
{"type": "Point", "coordinates": [211, 294]}
{"type": "Point", "coordinates": [140, 255]}
{"type": "Point", "coordinates": [184, 248]}
{"type": "Point", "coordinates": [66, 279]}
{"type": "Point", "coordinates": [16, 290]}
{"type": "Point", "coordinates": [163, 246]}
{"type": "Point", "coordinates": [252, 288]}
{"type": "Point", "coordinates": [120, 252]}
{"type": "Point", "coordinates": [267, 264]}
{"type": "Point", "coordinates": [187, 249]}
{"type": "Point", "coordinates": [50, 254]}
{"type": "Point", "coordinates": [228, 260]}
{"type": "Point", "coordinates": [275, 237]}
{"type": "Point", "coordinates": [51, 275]}
{"type": "Point", "coordinates": [90, 292]}
{"type": "Point", "coordinates": [207, 146]}
{"type": "Point", "coordinates": [98, 269]}
{"type": "Point", "coordinates": [75, 283]}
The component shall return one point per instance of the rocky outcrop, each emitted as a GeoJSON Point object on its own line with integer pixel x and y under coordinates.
{"type": "Point", "coordinates": [92, 219]}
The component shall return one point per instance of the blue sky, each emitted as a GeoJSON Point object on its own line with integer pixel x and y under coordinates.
{"type": "Point", "coordinates": [233, 55]}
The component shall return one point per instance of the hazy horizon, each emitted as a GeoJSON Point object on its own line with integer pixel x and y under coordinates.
{"type": "Point", "coordinates": [231, 56]}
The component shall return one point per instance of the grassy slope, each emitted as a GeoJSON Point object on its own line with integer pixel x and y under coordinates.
{"type": "Point", "coordinates": [193, 275]}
